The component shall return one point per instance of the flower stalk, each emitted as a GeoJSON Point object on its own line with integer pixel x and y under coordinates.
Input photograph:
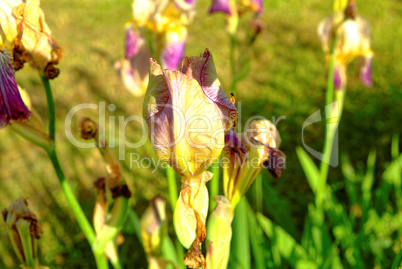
{"type": "Point", "coordinates": [71, 199]}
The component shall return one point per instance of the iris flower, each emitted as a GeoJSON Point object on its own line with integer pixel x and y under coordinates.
{"type": "Point", "coordinates": [187, 114]}
{"type": "Point", "coordinates": [167, 20]}
{"type": "Point", "coordinates": [352, 40]}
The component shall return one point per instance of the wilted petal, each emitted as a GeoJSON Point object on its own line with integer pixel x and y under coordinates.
{"type": "Point", "coordinates": [203, 70]}
{"type": "Point", "coordinates": [35, 36]}
{"type": "Point", "coordinates": [12, 108]}
{"type": "Point", "coordinates": [23, 229]}
{"type": "Point", "coordinates": [220, 6]}
{"type": "Point", "coordinates": [190, 215]}
{"type": "Point", "coordinates": [276, 161]}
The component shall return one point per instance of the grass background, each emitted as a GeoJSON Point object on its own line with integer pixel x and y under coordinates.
{"type": "Point", "coordinates": [286, 79]}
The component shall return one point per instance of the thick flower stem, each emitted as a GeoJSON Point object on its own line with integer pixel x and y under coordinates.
{"type": "Point", "coordinates": [71, 199]}
{"type": "Point", "coordinates": [214, 185]}
{"type": "Point", "coordinates": [171, 177]}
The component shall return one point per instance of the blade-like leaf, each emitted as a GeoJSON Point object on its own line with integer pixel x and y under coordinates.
{"type": "Point", "coordinates": [256, 238]}
{"type": "Point", "coordinates": [284, 242]}
{"type": "Point", "coordinates": [309, 168]}
{"type": "Point", "coordinates": [240, 246]}
{"type": "Point", "coordinates": [278, 209]}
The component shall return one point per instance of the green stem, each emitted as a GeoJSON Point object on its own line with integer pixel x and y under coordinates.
{"type": "Point", "coordinates": [233, 63]}
{"type": "Point", "coordinates": [76, 208]}
{"type": "Point", "coordinates": [214, 185]}
{"type": "Point", "coordinates": [71, 199]}
{"type": "Point", "coordinates": [171, 177]}
{"type": "Point", "coordinates": [331, 128]}
{"type": "Point", "coordinates": [50, 108]}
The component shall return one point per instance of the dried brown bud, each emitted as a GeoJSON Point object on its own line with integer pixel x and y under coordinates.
{"type": "Point", "coordinates": [89, 128]}
{"type": "Point", "coordinates": [51, 71]}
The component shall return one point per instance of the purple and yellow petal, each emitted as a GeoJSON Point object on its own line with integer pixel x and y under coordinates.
{"type": "Point", "coordinates": [173, 52]}
{"type": "Point", "coordinates": [203, 70]}
{"type": "Point", "coordinates": [185, 127]}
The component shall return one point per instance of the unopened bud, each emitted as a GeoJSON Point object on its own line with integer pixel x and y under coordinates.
{"type": "Point", "coordinates": [219, 234]}
{"type": "Point", "coordinates": [23, 229]}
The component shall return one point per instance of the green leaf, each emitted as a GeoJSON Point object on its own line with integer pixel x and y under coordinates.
{"type": "Point", "coordinates": [309, 168]}
{"type": "Point", "coordinates": [284, 243]}
{"type": "Point", "coordinates": [169, 251]}
{"type": "Point", "coordinates": [367, 183]}
{"type": "Point", "coordinates": [279, 209]}
{"type": "Point", "coordinates": [240, 246]}
{"type": "Point", "coordinates": [395, 146]}
{"type": "Point", "coordinates": [256, 238]}
{"type": "Point", "coordinates": [350, 182]}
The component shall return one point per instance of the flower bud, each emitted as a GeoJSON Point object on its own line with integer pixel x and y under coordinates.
{"type": "Point", "coordinates": [24, 230]}
{"type": "Point", "coordinates": [246, 154]}
{"type": "Point", "coordinates": [153, 227]}
{"type": "Point", "coordinates": [219, 234]}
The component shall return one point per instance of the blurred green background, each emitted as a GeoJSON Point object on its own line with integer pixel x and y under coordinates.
{"type": "Point", "coordinates": [287, 78]}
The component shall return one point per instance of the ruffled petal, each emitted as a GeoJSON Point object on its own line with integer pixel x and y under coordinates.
{"type": "Point", "coordinates": [12, 108]}
{"type": "Point", "coordinates": [185, 127]}
{"type": "Point", "coordinates": [203, 70]}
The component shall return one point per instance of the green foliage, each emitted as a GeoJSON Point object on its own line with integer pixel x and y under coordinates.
{"type": "Point", "coordinates": [368, 232]}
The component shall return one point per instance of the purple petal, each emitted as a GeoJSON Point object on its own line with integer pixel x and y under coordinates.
{"type": "Point", "coordinates": [11, 105]}
{"type": "Point", "coordinates": [172, 55]}
{"type": "Point", "coordinates": [232, 142]}
{"type": "Point", "coordinates": [337, 79]}
{"type": "Point", "coordinates": [276, 162]}
{"type": "Point", "coordinates": [132, 46]}
{"type": "Point", "coordinates": [365, 73]}
{"type": "Point", "coordinates": [220, 6]}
